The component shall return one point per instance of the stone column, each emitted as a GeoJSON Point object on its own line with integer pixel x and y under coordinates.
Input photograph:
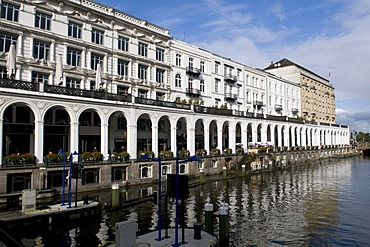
{"type": "Point", "coordinates": [1, 143]}
{"type": "Point", "coordinates": [155, 138]}
{"type": "Point", "coordinates": [219, 137]}
{"type": "Point", "coordinates": [191, 140]}
{"type": "Point", "coordinates": [104, 140]}
{"type": "Point", "coordinates": [174, 140]}
{"type": "Point", "coordinates": [132, 140]}
{"type": "Point", "coordinates": [232, 137]}
{"type": "Point", "coordinates": [74, 137]}
{"type": "Point", "coordinates": [206, 140]}
{"type": "Point", "coordinates": [39, 141]}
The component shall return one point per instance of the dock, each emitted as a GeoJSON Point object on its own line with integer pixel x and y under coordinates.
{"type": "Point", "coordinates": [51, 214]}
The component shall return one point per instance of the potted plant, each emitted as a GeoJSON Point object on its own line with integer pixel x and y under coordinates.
{"type": "Point", "coordinates": [166, 154]}
{"type": "Point", "coordinates": [240, 150]}
{"type": "Point", "coordinates": [97, 155]}
{"type": "Point", "coordinates": [28, 158]}
{"type": "Point", "coordinates": [86, 156]}
{"type": "Point", "coordinates": [201, 152]}
{"type": "Point", "coordinates": [184, 153]}
{"type": "Point", "coordinates": [228, 151]}
{"type": "Point", "coordinates": [13, 158]}
{"type": "Point", "coordinates": [262, 150]}
{"type": "Point", "coordinates": [215, 151]}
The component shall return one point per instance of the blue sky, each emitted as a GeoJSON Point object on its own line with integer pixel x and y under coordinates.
{"type": "Point", "coordinates": [321, 35]}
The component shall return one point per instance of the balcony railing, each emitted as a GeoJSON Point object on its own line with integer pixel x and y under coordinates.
{"type": "Point", "coordinates": [193, 92]}
{"type": "Point", "coordinates": [231, 97]}
{"type": "Point", "coordinates": [231, 78]}
{"type": "Point", "coordinates": [86, 93]}
{"type": "Point", "coordinates": [145, 101]}
{"type": "Point", "coordinates": [278, 107]}
{"type": "Point", "coordinates": [191, 71]}
{"type": "Point", "coordinates": [213, 110]}
{"type": "Point", "coordinates": [258, 103]}
{"type": "Point", "coordinates": [29, 86]}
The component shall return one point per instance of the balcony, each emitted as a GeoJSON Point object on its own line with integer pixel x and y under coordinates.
{"type": "Point", "coordinates": [229, 78]}
{"type": "Point", "coordinates": [193, 72]}
{"type": "Point", "coordinates": [295, 111]}
{"type": "Point", "coordinates": [258, 103]}
{"type": "Point", "coordinates": [231, 97]}
{"type": "Point", "coordinates": [145, 101]}
{"type": "Point", "coordinates": [278, 107]}
{"type": "Point", "coordinates": [193, 92]}
{"type": "Point", "coordinates": [35, 87]}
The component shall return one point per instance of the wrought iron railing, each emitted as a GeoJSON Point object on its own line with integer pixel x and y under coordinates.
{"type": "Point", "coordinates": [16, 84]}
{"type": "Point", "coordinates": [145, 101]}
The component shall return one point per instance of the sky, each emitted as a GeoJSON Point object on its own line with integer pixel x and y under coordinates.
{"type": "Point", "coordinates": [321, 35]}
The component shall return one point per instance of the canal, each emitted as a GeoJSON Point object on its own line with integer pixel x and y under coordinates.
{"type": "Point", "coordinates": [321, 204]}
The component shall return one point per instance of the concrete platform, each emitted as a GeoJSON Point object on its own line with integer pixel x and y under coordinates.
{"type": "Point", "coordinates": [51, 212]}
{"type": "Point", "coordinates": [149, 239]}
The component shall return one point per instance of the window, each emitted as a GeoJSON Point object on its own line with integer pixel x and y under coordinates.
{"type": "Point", "coordinates": [216, 85]}
{"type": "Point", "coordinates": [202, 66]}
{"type": "Point", "coordinates": [123, 43]}
{"type": "Point", "coordinates": [166, 169]}
{"type": "Point", "coordinates": [95, 60]}
{"type": "Point", "coordinates": [9, 11]}
{"type": "Point", "coordinates": [178, 60]}
{"type": "Point", "coordinates": [74, 30]}
{"type": "Point", "coordinates": [160, 96]}
{"type": "Point", "coordinates": [142, 72]}
{"type": "Point", "coordinates": [216, 67]}
{"type": "Point", "coordinates": [38, 77]}
{"type": "Point", "coordinates": [159, 55]}
{"type": "Point", "coordinates": [97, 36]}
{"type": "Point", "coordinates": [121, 123]}
{"type": "Point", "coordinates": [183, 168]}
{"type": "Point", "coordinates": [42, 21]}
{"type": "Point", "coordinates": [143, 94]}
{"type": "Point", "coordinates": [178, 80]}
{"type": "Point", "coordinates": [73, 82]}
{"type": "Point", "coordinates": [143, 49]}
{"type": "Point", "coordinates": [6, 40]}
{"type": "Point", "coordinates": [202, 86]}
{"type": "Point", "coordinates": [145, 171]}
{"type": "Point", "coordinates": [159, 76]}
{"type": "Point", "coordinates": [73, 57]}
{"type": "Point", "coordinates": [191, 62]}
{"type": "Point", "coordinates": [122, 90]}
{"type": "Point", "coordinates": [41, 50]}
{"type": "Point", "coordinates": [238, 72]}
{"type": "Point", "coordinates": [3, 72]}
{"type": "Point", "coordinates": [122, 67]}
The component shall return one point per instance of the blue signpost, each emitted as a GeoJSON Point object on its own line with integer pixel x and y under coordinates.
{"type": "Point", "coordinates": [64, 175]}
{"type": "Point", "coordinates": [70, 178]}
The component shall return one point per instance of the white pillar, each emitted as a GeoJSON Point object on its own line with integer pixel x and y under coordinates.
{"type": "Point", "coordinates": [232, 137]}
{"type": "Point", "coordinates": [174, 139]}
{"type": "Point", "coordinates": [155, 137]}
{"type": "Point", "coordinates": [104, 140]}
{"type": "Point", "coordinates": [39, 141]}
{"type": "Point", "coordinates": [20, 45]}
{"type": "Point", "coordinates": [191, 140]}
{"type": "Point", "coordinates": [206, 140]}
{"type": "Point", "coordinates": [132, 140]}
{"type": "Point", "coordinates": [219, 138]}
{"type": "Point", "coordinates": [74, 137]}
{"type": "Point", "coordinates": [1, 142]}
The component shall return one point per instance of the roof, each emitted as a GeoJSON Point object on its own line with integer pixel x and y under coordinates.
{"type": "Point", "coordinates": [286, 63]}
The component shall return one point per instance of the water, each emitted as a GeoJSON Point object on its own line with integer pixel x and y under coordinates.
{"type": "Point", "coordinates": [324, 204]}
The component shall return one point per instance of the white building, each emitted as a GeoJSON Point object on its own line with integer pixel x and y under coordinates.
{"type": "Point", "coordinates": [137, 106]}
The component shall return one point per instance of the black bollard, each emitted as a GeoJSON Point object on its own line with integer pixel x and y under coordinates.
{"type": "Point", "coordinates": [224, 224]}
{"type": "Point", "coordinates": [197, 230]}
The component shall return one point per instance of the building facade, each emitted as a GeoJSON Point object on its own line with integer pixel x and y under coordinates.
{"type": "Point", "coordinates": [317, 93]}
{"type": "Point", "coordinates": [126, 85]}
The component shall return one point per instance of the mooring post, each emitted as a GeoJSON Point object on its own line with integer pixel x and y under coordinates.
{"type": "Point", "coordinates": [115, 195]}
{"type": "Point", "coordinates": [224, 171]}
{"type": "Point", "coordinates": [224, 224]}
{"type": "Point", "coordinates": [243, 170]}
{"type": "Point", "coordinates": [208, 209]}
{"type": "Point", "coordinates": [201, 175]}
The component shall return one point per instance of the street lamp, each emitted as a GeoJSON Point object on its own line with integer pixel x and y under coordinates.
{"type": "Point", "coordinates": [70, 178]}
{"type": "Point", "coordinates": [61, 152]}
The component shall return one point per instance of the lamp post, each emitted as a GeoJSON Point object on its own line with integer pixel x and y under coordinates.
{"type": "Point", "coordinates": [70, 178]}
{"type": "Point", "coordinates": [159, 198]}
{"type": "Point", "coordinates": [190, 159]}
{"type": "Point", "coordinates": [61, 152]}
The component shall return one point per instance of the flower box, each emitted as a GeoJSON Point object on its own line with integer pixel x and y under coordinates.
{"type": "Point", "coordinates": [184, 153]}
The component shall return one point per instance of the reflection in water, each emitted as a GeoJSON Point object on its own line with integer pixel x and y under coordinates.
{"type": "Point", "coordinates": [321, 204]}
